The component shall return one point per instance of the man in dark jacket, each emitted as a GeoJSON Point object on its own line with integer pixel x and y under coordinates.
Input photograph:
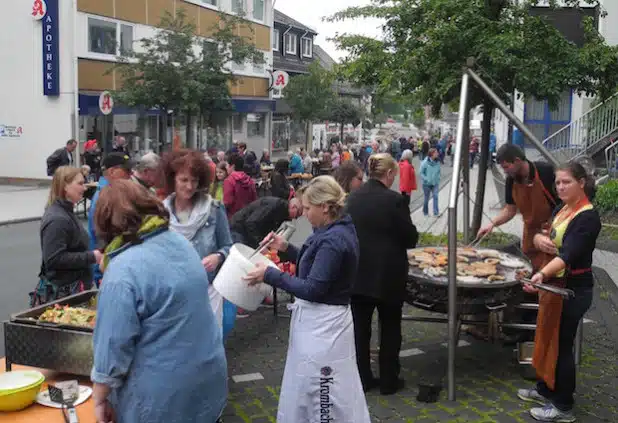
{"type": "Point", "coordinates": [384, 229]}
{"type": "Point", "coordinates": [120, 145]}
{"type": "Point", "coordinates": [251, 224]}
{"type": "Point", "coordinates": [238, 188]}
{"type": "Point", "coordinates": [61, 157]}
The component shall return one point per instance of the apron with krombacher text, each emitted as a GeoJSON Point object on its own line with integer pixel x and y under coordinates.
{"type": "Point", "coordinates": [321, 382]}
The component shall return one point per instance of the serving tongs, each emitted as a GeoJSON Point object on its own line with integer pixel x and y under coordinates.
{"type": "Point", "coordinates": [563, 292]}
{"type": "Point", "coordinates": [265, 244]}
{"type": "Point", "coordinates": [477, 240]}
{"type": "Point", "coordinates": [68, 411]}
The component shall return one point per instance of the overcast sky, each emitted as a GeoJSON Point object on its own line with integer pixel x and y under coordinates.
{"type": "Point", "coordinates": [311, 12]}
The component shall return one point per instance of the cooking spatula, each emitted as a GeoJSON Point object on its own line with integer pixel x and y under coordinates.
{"type": "Point", "coordinates": [68, 411]}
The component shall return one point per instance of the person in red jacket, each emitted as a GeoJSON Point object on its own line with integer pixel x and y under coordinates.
{"type": "Point", "coordinates": [407, 174]}
{"type": "Point", "coordinates": [238, 188]}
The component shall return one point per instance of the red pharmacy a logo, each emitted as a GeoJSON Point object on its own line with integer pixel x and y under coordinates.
{"type": "Point", "coordinates": [39, 9]}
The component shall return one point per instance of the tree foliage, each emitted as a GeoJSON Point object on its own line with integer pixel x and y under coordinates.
{"type": "Point", "coordinates": [178, 71]}
{"type": "Point", "coordinates": [425, 43]}
{"type": "Point", "coordinates": [310, 96]}
{"type": "Point", "coordinates": [344, 112]}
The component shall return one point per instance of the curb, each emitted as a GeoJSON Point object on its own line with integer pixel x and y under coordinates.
{"type": "Point", "coordinates": [20, 220]}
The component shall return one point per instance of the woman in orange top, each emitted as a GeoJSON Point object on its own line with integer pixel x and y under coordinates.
{"type": "Point", "coordinates": [407, 174]}
{"type": "Point", "coordinates": [346, 155]}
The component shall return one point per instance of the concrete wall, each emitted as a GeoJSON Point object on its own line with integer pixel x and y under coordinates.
{"type": "Point", "coordinates": [46, 121]}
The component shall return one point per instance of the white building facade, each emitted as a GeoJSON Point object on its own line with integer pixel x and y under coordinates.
{"type": "Point", "coordinates": [58, 57]}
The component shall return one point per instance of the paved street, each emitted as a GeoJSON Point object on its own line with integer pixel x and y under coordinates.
{"type": "Point", "coordinates": [487, 374]}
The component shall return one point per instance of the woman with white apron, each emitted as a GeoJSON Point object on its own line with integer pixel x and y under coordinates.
{"type": "Point", "coordinates": [199, 218]}
{"type": "Point", "coordinates": [321, 381]}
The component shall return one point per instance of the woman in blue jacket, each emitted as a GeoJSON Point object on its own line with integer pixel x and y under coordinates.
{"type": "Point", "coordinates": [321, 377]}
{"type": "Point", "coordinates": [158, 353]}
{"type": "Point", "coordinates": [430, 177]}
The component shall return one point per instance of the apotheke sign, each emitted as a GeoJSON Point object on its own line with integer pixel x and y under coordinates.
{"type": "Point", "coordinates": [46, 11]}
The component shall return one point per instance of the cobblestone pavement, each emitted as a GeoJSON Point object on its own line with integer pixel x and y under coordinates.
{"type": "Point", "coordinates": [487, 374]}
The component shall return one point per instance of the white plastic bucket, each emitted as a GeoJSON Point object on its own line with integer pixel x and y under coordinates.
{"type": "Point", "coordinates": [230, 283]}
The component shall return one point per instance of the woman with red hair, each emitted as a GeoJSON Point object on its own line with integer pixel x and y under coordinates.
{"type": "Point", "coordinates": [196, 215]}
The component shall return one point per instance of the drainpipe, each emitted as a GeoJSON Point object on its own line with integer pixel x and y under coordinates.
{"type": "Point", "coordinates": [76, 86]}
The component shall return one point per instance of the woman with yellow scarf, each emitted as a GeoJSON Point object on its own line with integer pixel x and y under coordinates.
{"type": "Point", "coordinates": [572, 238]}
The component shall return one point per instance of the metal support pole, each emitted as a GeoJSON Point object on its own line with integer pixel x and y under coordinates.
{"type": "Point", "coordinates": [466, 177]}
{"type": "Point", "coordinates": [452, 239]}
{"type": "Point", "coordinates": [511, 116]}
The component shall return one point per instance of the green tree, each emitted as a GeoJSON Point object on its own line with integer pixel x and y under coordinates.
{"type": "Point", "coordinates": [176, 71]}
{"type": "Point", "coordinates": [426, 43]}
{"type": "Point", "coordinates": [310, 96]}
{"type": "Point", "coordinates": [343, 112]}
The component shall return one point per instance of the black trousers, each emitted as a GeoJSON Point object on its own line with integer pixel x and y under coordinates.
{"type": "Point", "coordinates": [406, 196]}
{"type": "Point", "coordinates": [573, 311]}
{"type": "Point", "coordinates": [390, 339]}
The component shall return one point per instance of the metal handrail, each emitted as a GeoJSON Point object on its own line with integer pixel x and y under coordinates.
{"type": "Point", "coordinates": [579, 136]}
{"type": "Point", "coordinates": [613, 147]}
{"type": "Point", "coordinates": [581, 117]}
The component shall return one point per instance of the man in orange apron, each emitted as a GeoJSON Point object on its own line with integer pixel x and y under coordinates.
{"type": "Point", "coordinates": [530, 191]}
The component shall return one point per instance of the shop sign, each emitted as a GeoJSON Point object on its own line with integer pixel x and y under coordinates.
{"type": "Point", "coordinates": [252, 117]}
{"type": "Point", "coordinates": [106, 103]}
{"type": "Point", "coordinates": [280, 80]}
{"type": "Point", "coordinates": [39, 9]}
{"type": "Point", "coordinates": [47, 12]}
{"type": "Point", "coordinates": [11, 131]}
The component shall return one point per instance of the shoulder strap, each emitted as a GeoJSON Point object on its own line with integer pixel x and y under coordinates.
{"type": "Point", "coordinates": [548, 195]}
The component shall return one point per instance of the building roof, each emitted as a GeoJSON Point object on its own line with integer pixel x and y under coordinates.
{"type": "Point", "coordinates": [323, 57]}
{"type": "Point", "coordinates": [328, 63]}
{"type": "Point", "coordinates": [286, 20]}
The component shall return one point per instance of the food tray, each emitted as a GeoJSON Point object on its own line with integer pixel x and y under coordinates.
{"type": "Point", "coordinates": [510, 274]}
{"type": "Point", "coordinates": [31, 316]}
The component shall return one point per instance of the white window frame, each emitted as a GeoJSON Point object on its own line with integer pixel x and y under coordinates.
{"type": "Point", "coordinates": [119, 25]}
{"type": "Point", "coordinates": [276, 40]}
{"type": "Point", "coordinates": [243, 12]}
{"type": "Point", "coordinates": [263, 11]}
{"type": "Point", "coordinates": [287, 45]}
{"type": "Point", "coordinates": [206, 4]}
{"type": "Point", "coordinates": [302, 46]}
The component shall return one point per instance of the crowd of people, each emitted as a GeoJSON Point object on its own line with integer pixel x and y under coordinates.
{"type": "Point", "coordinates": [160, 228]}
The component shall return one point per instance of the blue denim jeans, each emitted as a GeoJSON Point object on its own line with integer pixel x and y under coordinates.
{"type": "Point", "coordinates": [428, 191]}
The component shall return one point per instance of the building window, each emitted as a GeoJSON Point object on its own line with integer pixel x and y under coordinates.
{"type": "Point", "coordinates": [307, 47]}
{"type": "Point", "coordinates": [210, 48]}
{"type": "Point", "coordinates": [108, 37]}
{"type": "Point", "coordinates": [239, 7]}
{"type": "Point", "coordinates": [212, 2]}
{"type": "Point", "coordinates": [290, 43]}
{"type": "Point", "coordinates": [276, 40]}
{"type": "Point", "coordinates": [101, 36]}
{"type": "Point", "coordinates": [258, 10]}
{"type": "Point", "coordinates": [126, 39]}
{"type": "Point", "coordinates": [256, 124]}
{"type": "Point", "coordinates": [238, 66]}
{"type": "Point", "coordinates": [237, 122]}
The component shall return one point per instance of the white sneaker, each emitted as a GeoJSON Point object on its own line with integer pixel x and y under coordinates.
{"type": "Point", "coordinates": [532, 395]}
{"type": "Point", "coordinates": [549, 413]}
